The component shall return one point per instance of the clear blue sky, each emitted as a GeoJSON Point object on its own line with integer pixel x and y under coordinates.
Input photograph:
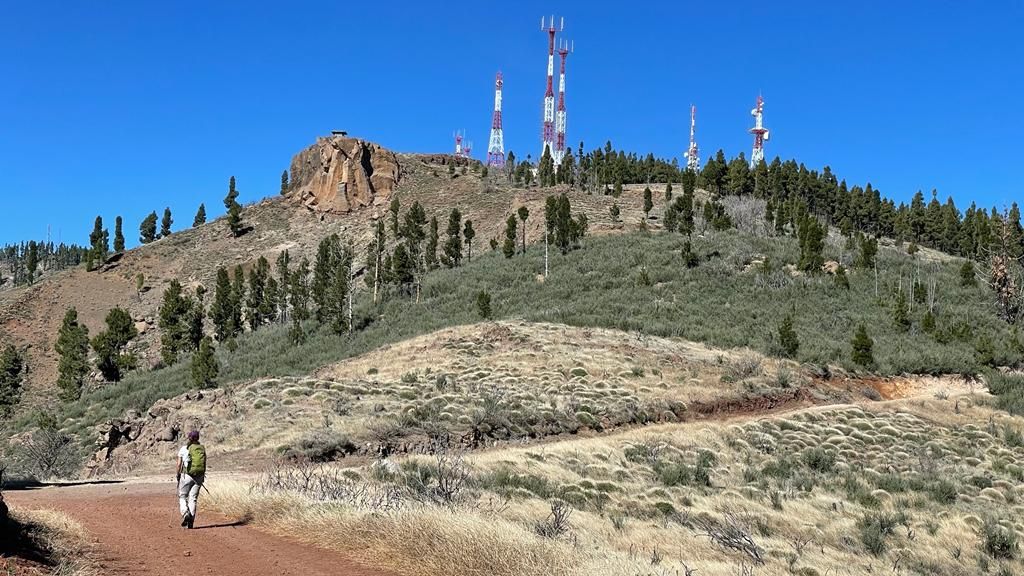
{"type": "Point", "coordinates": [122, 107]}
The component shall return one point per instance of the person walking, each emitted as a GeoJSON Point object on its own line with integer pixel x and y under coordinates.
{"type": "Point", "coordinates": [190, 477]}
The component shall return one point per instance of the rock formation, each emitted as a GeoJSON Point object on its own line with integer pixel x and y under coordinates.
{"type": "Point", "coordinates": [339, 174]}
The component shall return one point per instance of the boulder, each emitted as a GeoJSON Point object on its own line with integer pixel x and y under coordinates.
{"type": "Point", "coordinates": [339, 174]}
{"type": "Point", "coordinates": [142, 327]}
{"type": "Point", "coordinates": [830, 267]}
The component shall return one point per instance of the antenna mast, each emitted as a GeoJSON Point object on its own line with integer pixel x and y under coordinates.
{"type": "Point", "coordinates": [760, 133]}
{"type": "Point", "coordinates": [496, 146]}
{"type": "Point", "coordinates": [564, 49]}
{"type": "Point", "coordinates": [548, 125]}
{"type": "Point", "coordinates": [692, 153]}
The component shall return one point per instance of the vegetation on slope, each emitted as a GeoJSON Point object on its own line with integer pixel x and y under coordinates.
{"type": "Point", "coordinates": [738, 295]}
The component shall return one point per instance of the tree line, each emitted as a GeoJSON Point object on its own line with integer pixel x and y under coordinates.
{"type": "Point", "coordinates": [26, 261]}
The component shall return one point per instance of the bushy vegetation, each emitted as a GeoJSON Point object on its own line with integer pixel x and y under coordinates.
{"type": "Point", "coordinates": [724, 301]}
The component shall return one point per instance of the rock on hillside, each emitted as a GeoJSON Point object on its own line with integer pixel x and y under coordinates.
{"type": "Point", "coordinates": [340, 174]}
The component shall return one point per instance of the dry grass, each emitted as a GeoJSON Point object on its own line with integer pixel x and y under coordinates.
{"type": "Point", "coordinates": [481, 384]}
{"type": "Point", "coordinates": [417, 540]}
{"type": "Point", "coordinates": [58, 537]}
{"type": "Point", "coordinates": [802, 489]}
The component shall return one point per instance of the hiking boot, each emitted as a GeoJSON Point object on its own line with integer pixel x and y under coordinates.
{"type": "Point", "coordinates": [191, 521]}
{"type": "Point", "coordinates": [186, 520]}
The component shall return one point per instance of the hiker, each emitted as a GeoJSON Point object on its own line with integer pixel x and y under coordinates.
{"type": "Point", "coordinates": [191, 474]}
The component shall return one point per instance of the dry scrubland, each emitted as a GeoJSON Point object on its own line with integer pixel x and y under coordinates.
{"type": "Point", "coordinates": [474, 386]}
{"type": "Point", "coordinates": [921, 486]}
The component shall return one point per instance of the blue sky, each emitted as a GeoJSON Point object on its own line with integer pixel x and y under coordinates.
{"type": "Point", "coordinates": [121, 107]}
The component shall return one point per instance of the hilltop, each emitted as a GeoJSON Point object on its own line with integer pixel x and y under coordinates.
{"type": "Point", "coordinates": [748, 383]}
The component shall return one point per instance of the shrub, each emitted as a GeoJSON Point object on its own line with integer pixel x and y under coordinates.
{"type": "Point", "coordinates": [997, 541]}
{"type": "Point", "coordinates": [819, 460]}
{"type": "Point", "coordinates": [875, 528]}
{"type": "Point", "coordinates": [322, 445]}
{"type": "Point", "coordinates": [943, 491]}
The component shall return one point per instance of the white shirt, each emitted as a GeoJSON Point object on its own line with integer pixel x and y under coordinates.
{"type": "Point", "coordinates": [186, 459]}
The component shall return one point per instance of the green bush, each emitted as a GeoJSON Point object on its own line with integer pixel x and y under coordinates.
{"type": "Point", "coordinates": [999, 542]}
{"type": "Point", "coordinates": [819, 460]}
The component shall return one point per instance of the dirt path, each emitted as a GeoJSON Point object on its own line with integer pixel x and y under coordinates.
{"type": "Point", "coordinates": [136, 530]}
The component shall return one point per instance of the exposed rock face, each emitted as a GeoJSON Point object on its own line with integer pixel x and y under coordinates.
{"type": "Point", "coordinates": [340, 174]}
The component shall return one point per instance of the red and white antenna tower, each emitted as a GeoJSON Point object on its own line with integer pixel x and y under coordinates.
{"type": "Point", "coordinates": [759, 131]}
{"type": "Point", "coordinates": [692, 153]}
{"type": "Point", "coordinates": [496, 146]}
{"type": "Point", "coordinates": [467, 149]}
{"type": "Point", "coordinates": [458, 143]}
{"type": "Point", "coordinates": [564, 49]}
{"type": "Point", "coordinates": [548, 130]}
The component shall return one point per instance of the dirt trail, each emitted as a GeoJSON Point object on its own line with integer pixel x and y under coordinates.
{"type": "Point", "coordinates": [136, 531]}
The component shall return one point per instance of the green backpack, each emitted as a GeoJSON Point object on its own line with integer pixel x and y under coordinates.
{"type": "Point", "coordinates": [196, 460]}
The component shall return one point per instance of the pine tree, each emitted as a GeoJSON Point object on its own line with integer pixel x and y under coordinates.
{"type": "Point", "coordinates": [200, 218]}
{"type": "Point", "coordinates": [968, 277]}
{"type": "Point", "coordinates": [483, 304]}
{"type": "Point", "coordinates": [863, 347]}
{"type": "Point", "coordinates": [614, 212]}
{"type": "Point", "coordinates": [12, 366]}
{"type": "Point", "coordinates": [524, 214]}
{"type": "Point", "coordinates": [648, 202]}
{"type": "Point", "coordinates": [147, 230]}
{"type": "Point", "coordinates": [109, 345]}
{"type": "Point", "coordinates": [327, 258]}
{"type": "Point", "coordinates": [430, 253]}
{"type": "Point", "coordinates": [196, 314]}
{"type": "Point", "coordinates": [618, 189]}
{"type": "Point", "coordinates": [900, 312]}
{"type": "Point", "coordinates": [73, 348]}
{"type": "Point", "coordinates": [237, 302]}
{"type": "Point", "coordinates": [452, 255]}
{"type": "Point", "coordinates": [31, 261]}
{"type": "Point", "coordinates": [234, 209]}
{"type": "Point", "coordinates": [403, 269]}
{"type": "Point", "coordinates": [394, 207]}
{"type": "Point", "coordinates": [812, 244]}
{"type": "Point", "coordinates": [668, 193]}
{"type": "Point", "coordinates": [868, 253]}
{"type": "Point", "coordinates": [509, 247]}
{"type": "Point", "coordinates": [165, 223]}
{"type": "Point", "coordinates": [205, 368]}
{"type": "Point", "coordinates": [789, 342]}
{"type": "Point", "coordinates": [284, 277]}
{"type": "Point", "coordinates": [221, 313]}
{"type": "Point", "coordinates": [550, 223]}
{"type": "Point", "coordinates": [299, 289]}
{"type": "Point", "coordinates": [510, 165]}
{"type": "Point", "coordinates": [175, 312]}
{"type": "Point", "coordinates": [469, 233]}
{"type": "Point", "coordinates": [928, 322]}
{"type": "Point", "coordinates": [98, 240]}
{"type": "Point", "coordinates": [546, 169]}
{"type": "Point", "coordinates": [256, 308]}
{"type": "Point", "coordinates": [686, 212]}
{"type": "Point", "coordinates": [284, 183]}
{"type": "Point", "coordinates": [118, 236]}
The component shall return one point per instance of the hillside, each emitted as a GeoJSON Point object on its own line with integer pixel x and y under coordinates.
{"type": "Point", "coordinates": [30, 316]}
{"type": "Point", "coordinates": [637, 410]}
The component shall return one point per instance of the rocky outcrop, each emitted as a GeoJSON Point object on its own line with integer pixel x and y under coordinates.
{"type": "Point", "coordinates": [339, 174]}
{"type": "Point", "coordinates": [122, 442]}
